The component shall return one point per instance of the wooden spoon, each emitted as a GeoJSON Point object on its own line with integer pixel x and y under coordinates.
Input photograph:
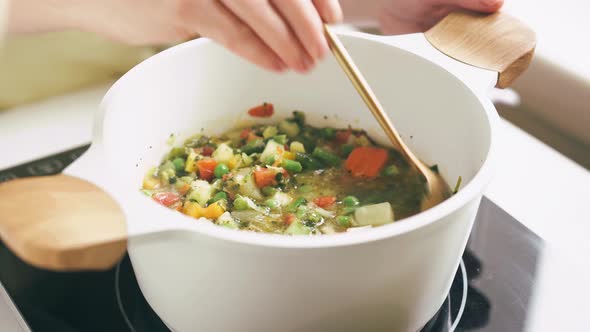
{"type": "Point", "coordinates": [61, 223]}
{"type": "Point", "coordinates": [495, 42]}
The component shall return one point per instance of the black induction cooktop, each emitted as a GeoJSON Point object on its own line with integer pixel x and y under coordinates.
{"type": "Point", "coordinates": [491, 290]}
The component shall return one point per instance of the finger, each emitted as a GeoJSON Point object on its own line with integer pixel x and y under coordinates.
{"type": "Point", "coordinates": [486, 6]}
{"type": "Point", "coordinates": [219, 24]}
{"type": "Point", "coordinates": [330, 10]}
{"type": "Point", "coordinates": [261, 17]}
{"type": "Point", "coordinates": [305, 21]}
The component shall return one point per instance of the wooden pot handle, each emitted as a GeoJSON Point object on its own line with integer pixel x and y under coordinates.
{"type": "Point", "coordinates": [61, 223]}
{"type": "Point", "coordinates": [497, 42]}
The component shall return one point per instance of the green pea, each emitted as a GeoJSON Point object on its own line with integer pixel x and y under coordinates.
{"type": "Point", "coordinates": [327, 133]}
{"type": "Point", "coordinates": [219, 196]}
{"type": "Point", "coordinates": [343, 221]}
{"type": "Point", "coordinates": [220, 170]}
{"type": "Point", "coordinates": [350, 201]}
{"type": "Point", "coordinates": [178, 164]}
{"type": "Point", "coordinates": [240, 204]}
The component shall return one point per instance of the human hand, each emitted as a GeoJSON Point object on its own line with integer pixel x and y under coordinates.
{"type": "Point", "coordinates": [409, 16]}
{"type": "Point", "coordinates": [274, 34]}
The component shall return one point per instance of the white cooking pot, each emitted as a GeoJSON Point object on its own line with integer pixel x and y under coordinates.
{"type": "Point", "coordinates": [201, 277]}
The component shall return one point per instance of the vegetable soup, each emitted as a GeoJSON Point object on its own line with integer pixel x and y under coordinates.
{"type": "Point", "coordinates": [287, 178]}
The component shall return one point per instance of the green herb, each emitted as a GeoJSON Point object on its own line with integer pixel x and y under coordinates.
{"type": "Point", "coordinates": [307, 161]}
{"type": "Point", "coordinates": [391, 170]}
{"type": "Point", "coordinates": [346, 149]}
{"type": "Point", "coordinates": [295, 204]}
{"type": "Point", "coordinates": [253, 146]}
{"type": "Point", "coordinates": [281, 139]}
{"type": "Point", "coordinates": [457, 185]}
{"type": "Point", "coordinates": [269, 191]}
{"type": "Point", "coordinates": [326, 156]}
{"type": "Point", "coordinates": [291, 166]}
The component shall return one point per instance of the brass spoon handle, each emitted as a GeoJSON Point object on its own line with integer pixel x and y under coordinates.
{"type": "Point", "coordinates": [364, 90]}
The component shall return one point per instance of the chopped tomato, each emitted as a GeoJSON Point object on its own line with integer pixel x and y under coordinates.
{"type": "Point", "coordinates": [244, 134]}
{"type": "Point", "coordinates": [289, 218]}
{"type": "Point", "coordinates": [325, 201]}
{"type": "Point", "coordinates": [366, 161]}
{"type": "Point", "coordinates": [207, 151]}
{"type": "Point", "coordinates": [206, 168]}
{"type": "Point", "coordinates": [264, 177]}
{"type": "Point", "coordinates": [166, 198]}
{"type": "Point", "coordinates": [342, 136]}
{"type": "Point", "coordinates": [262, 111]}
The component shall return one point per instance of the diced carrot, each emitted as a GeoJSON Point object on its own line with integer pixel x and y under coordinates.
{"type": "Point", "coordinates": [166, 198]}
{"type": "Point", "coordinates": [289, 218]}
{"type": "Point", "coordinates": [252, 137]}
{"type": "Point", "coordinates": [366, 161]}
{"type": "Point", "coordinates": [342, 136]}
{"type": "Point", "coordinates": [244, 134]}
{"type": "Point", "coordinates": [264, 177]}
{"type": "Point", "coordinates": [207, 151]}
{"type": "Point", "coordinates": [262, 111]}
{"type": "Point", "coordinates": [325, 201]}
{"type": "Point", "coordinates": [206, 168]}
{"type": "Point", "coordinates": [184, 188]}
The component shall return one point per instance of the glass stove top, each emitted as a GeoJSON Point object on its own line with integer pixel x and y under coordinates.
{"type": "Point", "coordinates": [501, 262]}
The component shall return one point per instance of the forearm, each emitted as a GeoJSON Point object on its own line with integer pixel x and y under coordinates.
{"type": "Point", "coordinates": [34, 16]}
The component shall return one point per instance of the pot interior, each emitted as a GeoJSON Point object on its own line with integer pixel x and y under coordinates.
{"type": "Point", "coordinates": [200, 87]}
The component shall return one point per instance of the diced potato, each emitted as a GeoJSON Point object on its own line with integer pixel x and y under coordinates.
{"type": "Point", "coordinates": [270, 131]}
{"type": "Point", "coordinates": [226, 220]}
{"type": "Point", "coordinates": [272, 149]}
{"type": "Point", "coordinates": [297, 147]}
{"type": "Point", "coordinates": [290, 128]}
{"type": "Point", "coordinates": [150, 182]}
{"type": "Point", "coordinates": [297, 228]}
{"type": "Point", "coordinates": [289, 155]}
{"type": "Point", "coordinates": [223, 153]}
{"type": "Point", "coordinates": [213, 211]}
{"type": "Point", "coordinates": [192, 209]}
{"type": "Point", "coordinates": [201, 191]}
{"type": "Point", "coordinates": [234, 162]}
{"type": "Point", "coordinates": [191, 162]}
{"type": "Point", "coordinates": [375, 215]}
